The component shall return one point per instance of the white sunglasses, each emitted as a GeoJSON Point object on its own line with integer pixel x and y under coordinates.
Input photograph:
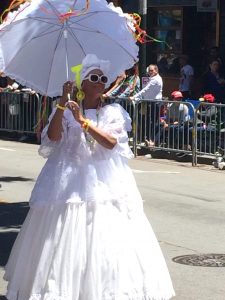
{"type": "Point", "coordinates": [97, 78]}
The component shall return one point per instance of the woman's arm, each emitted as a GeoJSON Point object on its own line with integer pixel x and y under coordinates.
{"type": "Point", "coordinates": [116, 85]}
{"type": "Point", "coordinates": [152, 82]}
{"type": "Point", "coordinates": [104, 139]}
{"type": "Point", "coordinates": [55, 128]}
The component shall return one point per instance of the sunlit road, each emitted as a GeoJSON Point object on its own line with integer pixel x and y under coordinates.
{"type": "Point", "coordinates": [185, 205]}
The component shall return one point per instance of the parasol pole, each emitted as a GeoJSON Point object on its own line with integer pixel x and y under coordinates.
{"type": "Point", "coordinates": [65, 34]}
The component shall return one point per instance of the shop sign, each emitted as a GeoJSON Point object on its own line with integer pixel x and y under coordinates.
{"type": "Point", "coordinates": [207, 5]}
{"type": "Point", "coordinates": [144, 81]}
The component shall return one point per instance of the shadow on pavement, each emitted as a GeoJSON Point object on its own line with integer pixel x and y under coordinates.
{"type": "Point", "coordinates": [7, 240]}
{"type": "Point", "coordinates": [12, 216]}
{"type": "Point", "coordinates": [3, 298]}
{"type": "Point", "coordinates": [173, 156]}
{"type": "Point", "coordinates": [19, 137]}
{"type": "Point", "coordinates": [11, 178]}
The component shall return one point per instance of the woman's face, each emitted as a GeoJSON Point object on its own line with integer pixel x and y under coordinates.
{"type": "Point", "coordinates": [214, 66]}
{"type": "Point", "coordinates": [96, 87]}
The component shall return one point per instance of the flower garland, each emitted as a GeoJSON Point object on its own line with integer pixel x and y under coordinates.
{"type": "Point", "coordinates": [22, 4]}
{"type": "Point", "coordinates": [18, 4]}
{"type": "Point", "coordinates": [139, 34]}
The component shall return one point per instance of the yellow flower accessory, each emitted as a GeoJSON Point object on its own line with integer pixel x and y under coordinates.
{"type": "Point", "coordinates": [77, 70]}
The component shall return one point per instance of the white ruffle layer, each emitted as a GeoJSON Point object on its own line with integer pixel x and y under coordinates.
{"type": "Point", "coordinates": [87, 251]}
{"type": "Point", "coordinates": [86, 236]}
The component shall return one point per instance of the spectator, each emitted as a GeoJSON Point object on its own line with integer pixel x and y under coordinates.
{"type": "Point", "coordinates": [3, 81]}
{"type": "Point", "coordinates": [214, 54]}
{"type": "Point", "coordinates": [207, 124]}
{"type": "Point", "coordinates": [153, 89]}
{"type": "Point", "coordinates": [12, 86]}
{"type": "Point", "coordinates": [176, 120]}
{"type": "Point", "coordinates": [129, 86]}
{"type": "Point", "coordinates": [177, 113]}
{"type": "Point", "coordinates": [186, 77]}
{"type": "Point", "coordinates": [120, 79]}
{"type": "Point", "coordinates": [152, 92]}
{"type": "Point", "coordinates": [207, 112]}
{"type": "Point", "coordinates": [213, 83]}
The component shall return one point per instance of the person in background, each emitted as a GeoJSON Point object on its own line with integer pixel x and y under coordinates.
{"type": "Point", "coordinates": [207, 114]}
{"type": "Point", "coordinates": [3, 81]}
{"type": "Point", "coordinates": [186, 77]}
{"type": "Point", "coordinates": [175, 122]}
{"type": "Point", "coordinates": [129, 86]}
{"type": "Point", "coordinates": [214, 54]}
{"type": "Point", "coordinates": [177, 113]}
{"type": "Point", "coordinates": [154, 87]}
{"type": "Point", "coordinates": [3, 101]}
{"type": "Point", "coordinates": [208, 122]}
{"type": "Point", "coordinates": [151, 92]}
{"type": "Point", "coordinates": [213, 83]}
{"type": "Point", "coordinates": [117, 83]}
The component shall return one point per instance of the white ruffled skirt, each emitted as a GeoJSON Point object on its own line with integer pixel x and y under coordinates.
{"type": "Point", "coordinates": [87, 251]}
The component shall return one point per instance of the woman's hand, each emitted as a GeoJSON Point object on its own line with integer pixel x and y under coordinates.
{"type": "Point", "coordinates": [100, 136]}
{"type": "Point", "coordinates": [75, 109]}
{"type": "Point", "coordinates": [67, 90]}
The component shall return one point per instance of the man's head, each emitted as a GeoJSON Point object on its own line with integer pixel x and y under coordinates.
{"type": "Point", "coordinates": [176, 95]}
{"type": "Point", "coordinates": [152, 70]}
{"type": "Point", "coordinates": [183, 60]}
{"type": "Point", "coordinates": [214, 66]}
{"type": "Point", "coordinates": [209, 98]}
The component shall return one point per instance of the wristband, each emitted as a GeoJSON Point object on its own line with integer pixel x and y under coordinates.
{"type": "Point", "coordinates": [86, 124]}
{"type": "Point", "coordinates": [61, 107]}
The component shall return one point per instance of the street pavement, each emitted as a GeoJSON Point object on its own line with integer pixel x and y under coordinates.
{"type": "Point", "coordinates": [185, 206]}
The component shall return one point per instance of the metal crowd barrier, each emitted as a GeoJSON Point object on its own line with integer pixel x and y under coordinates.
{"type": "Point", "coordinates": [19, 112]}
{"type": "Point", "coordinates": [23, 112]}
{"type": "Point", "coordinates": [202, 133]}
{"type": "Point", "coordinates": [209, 129]}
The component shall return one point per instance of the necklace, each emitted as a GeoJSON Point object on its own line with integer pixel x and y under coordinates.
{"type": "Point", "coordinates": [89, 139]}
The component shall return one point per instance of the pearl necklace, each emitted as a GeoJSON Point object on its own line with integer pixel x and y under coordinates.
{"type": "Point", "coordinates": [89, 139]}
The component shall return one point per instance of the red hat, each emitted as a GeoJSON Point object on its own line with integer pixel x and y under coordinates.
{"type": "Point", "coordinates": [176, 94]}
{"type": "Point", "coordinates": [209, 98]}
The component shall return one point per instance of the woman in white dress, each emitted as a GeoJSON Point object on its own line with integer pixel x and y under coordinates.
{"type": "Point", "coordinates": [86, 236]}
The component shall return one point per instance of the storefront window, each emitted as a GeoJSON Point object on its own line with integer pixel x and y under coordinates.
{"type": "Point", "coordinates": [166, 26]}
{"type": "Point", "coordinates": [170, 24]}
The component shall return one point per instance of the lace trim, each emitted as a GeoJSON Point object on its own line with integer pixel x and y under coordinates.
{"type": "Point", "coordinates": [51, 296]}
{"type": "Point", "coordinates": [47, 297]}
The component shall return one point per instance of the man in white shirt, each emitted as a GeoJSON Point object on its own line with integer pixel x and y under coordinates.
{"type": "Point", "coordinates": [186, 77]}
{"type": "Point", "coordinates": [151, 92]}
{"type": "Point", "coordinates": [153, 89]}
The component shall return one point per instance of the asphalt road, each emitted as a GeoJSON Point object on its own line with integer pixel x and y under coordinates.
{"type": "Point", "coordinates": [185, 205]}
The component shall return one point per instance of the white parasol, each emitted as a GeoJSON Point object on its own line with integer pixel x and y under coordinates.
{"type": "Point", "coordinates": [43, 39]}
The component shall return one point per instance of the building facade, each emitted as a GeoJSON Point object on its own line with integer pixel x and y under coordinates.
{"type": "Point", "coordinates": [189, 27]}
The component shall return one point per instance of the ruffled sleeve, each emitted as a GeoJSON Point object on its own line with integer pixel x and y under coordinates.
{"type": "Point", "coordinates": [117, 122]}
{"type": "Point", "coordinates": [47, 146]}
